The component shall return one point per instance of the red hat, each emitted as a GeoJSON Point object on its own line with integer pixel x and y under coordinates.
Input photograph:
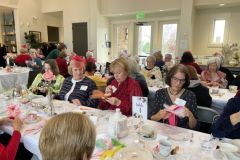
{"type": "Point", "coordinates": [77, 61]}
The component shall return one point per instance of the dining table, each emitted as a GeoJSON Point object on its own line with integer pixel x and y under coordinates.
{"type": "Point", "coordinates": [190, 144]}
{"type": "Point", "coordinates": [11, 77]}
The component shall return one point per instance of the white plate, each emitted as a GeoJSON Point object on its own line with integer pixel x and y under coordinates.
{"type": "Point", "coordinates": [227, 147]}
{"type": "Point", "coordinates": [133, 153]}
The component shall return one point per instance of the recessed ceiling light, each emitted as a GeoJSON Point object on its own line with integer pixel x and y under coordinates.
{"type": "Point", "coordinates": [222, 4]}
{"type": "Point", "coordinates": [120, 14]}
{"type": "Point", "coordinates": [161, 10]}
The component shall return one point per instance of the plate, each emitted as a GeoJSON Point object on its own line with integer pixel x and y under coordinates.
{"type": "Point", "coordinates": [227, 147]}
{"type": "Point", "coordinates": [29, 121]}
{"type": "Point", "coordinates": [133, 153]}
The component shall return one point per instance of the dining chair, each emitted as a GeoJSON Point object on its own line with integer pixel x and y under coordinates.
{"type": "Point", "coordinates": [206, 115]}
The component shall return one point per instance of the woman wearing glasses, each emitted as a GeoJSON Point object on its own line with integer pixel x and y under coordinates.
{"type": "Point", "coordinates": [171, 98]}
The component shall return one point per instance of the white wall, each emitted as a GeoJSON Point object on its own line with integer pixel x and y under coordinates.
{"type": "Point", "coordinates": [203, 28]}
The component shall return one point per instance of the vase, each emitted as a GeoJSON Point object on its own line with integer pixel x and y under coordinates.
{"type": "Point", "coordinates": [50, 101]}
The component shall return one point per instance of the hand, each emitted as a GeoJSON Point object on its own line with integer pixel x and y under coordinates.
{"type": "Point", "coordinates": [17, 124]}
{"type": "Point", "coordinates": [34, 89]}
{"type": "Point", "coordinates": [215, 84]}
{"type": "Point", "coordinates": [42, 89]}
{"type": "Point", "coordinates": [187, 112]}
{"type": "Point", "coordinates": [108, 90]}
{"type": "Point", "coordinates": [163, 114]}
{"type": "Point", "coordinates": [114, 101]}
{"type": "Point", "coordinates": [5, 120]}
{"type": "Point", "coordinates": [235, 118]}
{"type": "Point", "coordinates": [76, 102]}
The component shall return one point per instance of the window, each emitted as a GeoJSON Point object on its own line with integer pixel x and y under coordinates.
{"type": "Point", "coordinates": [144, 40]}
{"type": "Point", "coordinates": [169, 38]}
{"type": "Point", "coordinates": [219, 28]}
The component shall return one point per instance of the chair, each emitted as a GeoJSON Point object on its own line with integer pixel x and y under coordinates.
{"type": "Point", "coordinates": [31, 77]}
{"type": "Point", "coordinates": [206, 115]}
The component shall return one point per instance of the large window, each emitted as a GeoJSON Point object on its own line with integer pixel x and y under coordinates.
{"type": "Point", "coordinates": [219, 28]}
{"type": "Point", "coordinates": [169, 38]}
{"type": "Point", "coordinates": [144, 40]}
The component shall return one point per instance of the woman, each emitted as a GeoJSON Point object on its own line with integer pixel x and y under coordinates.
{"type": "Point", "coordinates": [177, 79]}
{"type": "Point", "coordinates": [55, 52]}
{"type": "Point", "coordinates": [168, 62]}
{"type": "Point", "coordinates": [35, 63]}
{"type": "Point", "coordinates": [187, 59]}
{"type": "Point", "coordinates": [9, 152]}
{"type": "Point", "coordinates": [37, 85]}
{"type": "Point", "coordinates": [228, 125]}
{"type": "Point", "coordinates": [62, 64]}
{"type": "Point", "coordinates": [78, 88]}
{"type": "Point", "coordinates": [201, 92]}
{"type": "Point", "coordinates": [151, 72]}
{"type": "Point", "coordinates": [159, 60]}
{"type": "Point", "coordinates": [98, 79]}
{"type": "Point", "coordinates": [23, 57]}
{"type": "Point", "coordinates": [121, 89]}
{"type": "Point", "coordinates": [212, 76]}
{"type": "Point", "coordinates": [68, 136]}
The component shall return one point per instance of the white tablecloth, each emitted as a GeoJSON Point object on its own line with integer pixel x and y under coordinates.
{"type": "Point", "coordinates": [190, 147]}
{"type": "Point", "coordinates": [9, 80]}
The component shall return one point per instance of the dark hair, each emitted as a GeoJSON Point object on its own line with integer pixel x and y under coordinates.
{"type": "Point", "coordinates": [178, 68]}
{"type": "Point", "coordinates": [61, 46]}
{"type": "Point", "coordinates": [90, 66]}
{"type": "Point", "coordinates": [192, 72]}
{"type": "Point", "coordinates": [53, 65]}
{"type": "Point", "coordinates": [187, 57]}
{"type": "Point", "coordinates": [62, 54]}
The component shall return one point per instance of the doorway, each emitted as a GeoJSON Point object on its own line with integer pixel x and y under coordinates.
{"type": "Point", "coordinates": [53, 34]}
{"type": "Point", "coordinates": [80, 38]}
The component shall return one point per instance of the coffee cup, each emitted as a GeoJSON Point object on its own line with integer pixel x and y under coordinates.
{"type": "Point", "coordinates": [165, 147]}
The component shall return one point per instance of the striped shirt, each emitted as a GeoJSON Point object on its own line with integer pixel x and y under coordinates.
{"type": "Point", "coordinates": [82, 91]}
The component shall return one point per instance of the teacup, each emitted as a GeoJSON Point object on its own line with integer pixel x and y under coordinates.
{"type": "Point", "coordinates": [147, 131]}
{"type": "Point", "coordinates": [165, 147]}
{"type": "Point", "coordinates": [233, 88]}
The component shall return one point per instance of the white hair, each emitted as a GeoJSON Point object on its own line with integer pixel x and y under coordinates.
{"type": "Point", "coordinates": [133, 65]}
{"type": "Point", "coordinates": [89, 54]}
{"type": "Point", "coordinates": [214, 60]}
{"type": "Point", "coordinates": [32, 51]}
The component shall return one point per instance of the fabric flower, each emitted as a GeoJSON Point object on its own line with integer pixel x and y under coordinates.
{"type": "Point", "coordinates": [13, 111]}
{"type": "Point", "coordinates": [48, 76]}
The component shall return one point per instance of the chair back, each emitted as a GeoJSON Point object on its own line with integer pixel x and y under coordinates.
{"type": "Point", "coordinates": [206, 115]}
{"type": "Point", "coordinates": [31, 77]}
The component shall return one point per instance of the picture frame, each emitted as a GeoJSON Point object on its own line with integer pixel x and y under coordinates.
{"type": "Point", "coordinates": [37, 34]}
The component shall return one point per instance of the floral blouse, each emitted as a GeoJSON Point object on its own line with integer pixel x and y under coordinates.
{"type": "Point", "coordinates": [56, 86]}
{"type": "Point", "coordinates": [153, 76]}
{"type": "Point", "coordinates": [220, 78]}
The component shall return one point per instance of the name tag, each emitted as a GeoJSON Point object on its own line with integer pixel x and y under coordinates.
{"type": "Point", "coordinates": [180, 102]}
{"type": "Point", "coordinates": [83, 88]}
{"type": "Point", "coordinates": [114, 89]}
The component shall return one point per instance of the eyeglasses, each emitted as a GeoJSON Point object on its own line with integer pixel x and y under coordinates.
{"type": "Point", "coordinates": [175, 79]}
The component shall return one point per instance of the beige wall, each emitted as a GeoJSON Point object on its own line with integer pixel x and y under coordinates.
{"type": "Point", "coordinates": [1, 40]}
{"type": "Point", "coordinates": [115, 7]}
{"type": "Point", "coordinates": [203, 29]}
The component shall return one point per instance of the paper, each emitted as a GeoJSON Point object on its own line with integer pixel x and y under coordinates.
{"type": "Point", "coordinates": [140, 106]}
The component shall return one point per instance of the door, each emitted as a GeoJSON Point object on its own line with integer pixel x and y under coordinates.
{"type": "Point", "coordinates": [53, 34]}
{"type": "Point", "coordinates": [80, 38]}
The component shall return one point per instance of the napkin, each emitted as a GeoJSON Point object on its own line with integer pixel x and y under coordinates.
{"type": "Point", "coordinates": [35, 128]}
{"type": "Point", "coordinates": [13, 110]}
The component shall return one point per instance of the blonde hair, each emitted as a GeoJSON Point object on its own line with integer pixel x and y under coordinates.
{"type": "Point", "coordinates": [70, 67]}
{"type": "Point", "coordinates": [68, 136]}
{"type": "Point", "coordinates": [158, 55]}
{"type": "Point", "coordinates": [152, 58]}
{"type": "Point", "coordinates": [120, 62]}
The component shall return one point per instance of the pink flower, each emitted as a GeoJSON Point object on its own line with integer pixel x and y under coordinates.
{"type": "Point", "coordinates": [48, 76]}
{"type": "Point", "coordinates": [13, 111]}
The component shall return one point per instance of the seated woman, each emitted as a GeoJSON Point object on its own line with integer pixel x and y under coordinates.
{"type": "Point", "coordinates": [201, 92]}
{"type": "Point", "coordinates": [35, 63]}
{"type": "Point", "coordinates": [159, 60]}
{"type": "Point", "coordinates": [121, 89]}
{"type": "Point", "coordinates": [228, 124]}
{"type": "Point", "coordinates": [62, 64]}
{"type": "Point", "coordinates": [9, 152]}
{"type": "Point", "coordinates": [151, 72]}
{"type": "Point", "coordinates": [78, 88]}
{"type": "Point", "coordinates": [68, 136]}
{"type": "Point", "coordinates": [37, 86]}
{"type": "Point", "coordinates": [212, 76]}
{"type": "Point", "coordinates": [23, 57]}
{"type": "Point", "coordinates": [187, 59]}
{"type": "Point", "coordinates": [177, 79]}
{"type": "Point", "coordinates": [98, 79]}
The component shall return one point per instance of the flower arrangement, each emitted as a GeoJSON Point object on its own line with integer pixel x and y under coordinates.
{"type": "Point", "coordinates": [13, 111]}
{"type": "Point", "coordinates": [48, 79]}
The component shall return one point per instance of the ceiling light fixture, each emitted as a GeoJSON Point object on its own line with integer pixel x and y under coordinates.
{"type": "Point", "coordinates": [222, 4]}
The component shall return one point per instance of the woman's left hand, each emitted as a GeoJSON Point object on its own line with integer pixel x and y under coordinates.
{"type": "Point", "coordinates": [187, 112]}
{"type": "Point", "coordinates": [114, 101]}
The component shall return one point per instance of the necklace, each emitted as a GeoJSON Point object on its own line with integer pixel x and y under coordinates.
{"type": "Point", "coordinates": [171, 92]}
